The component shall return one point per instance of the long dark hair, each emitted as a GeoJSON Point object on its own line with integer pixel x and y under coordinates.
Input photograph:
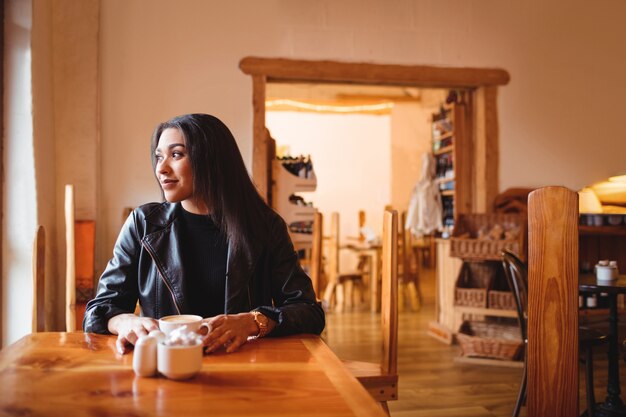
{"type": "Point", "coordinates": [220, 178]}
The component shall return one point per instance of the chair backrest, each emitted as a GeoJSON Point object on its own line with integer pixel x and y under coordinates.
{"type": "Point", "coordinates": [70, 261]}
{"type": "Point", "coordinates": [333, 248]}
{"type": "Point", "coordinates": [39, 264]}
{"type": "Point", "coordinates": [517, 277]}
{"type": "Point", "coordinates": [389, 292]}
{"type": "Point", "coordinates": [552, 303]}
{"type": "Point", "coordinates": [361, 224]}
{"type": "Point", "coordinates": [316, 252]}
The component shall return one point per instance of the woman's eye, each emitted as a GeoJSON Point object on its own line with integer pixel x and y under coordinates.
{"type": "Point", "coordinates": [158, 157]}
{"type": "Point", "coordinates": [177, 154]}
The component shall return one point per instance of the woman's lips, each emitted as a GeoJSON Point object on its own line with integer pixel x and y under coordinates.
{"type": "Point", "coordinates": [168, 184]}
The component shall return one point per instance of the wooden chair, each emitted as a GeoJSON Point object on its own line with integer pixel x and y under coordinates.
{"type": "Point", "coordinates": [407, 269]}
{"type": "Point", "coordinates": [381, 379]}
{"type": "Point", "coordinates": [80, 263]}
{"type": "Point", "coordinates": [315, 266]}
{"type": "Point", "coordinates": [517, 276]}
{"type": "Point", "coordinates": [552, 302]}
{"type": "Point", "coordinates": [39, 280]}
{"type": "Point", "coordinates": [344, 287]}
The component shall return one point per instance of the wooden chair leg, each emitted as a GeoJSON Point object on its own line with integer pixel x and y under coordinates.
{"type": "Point", "coordinates": [339, 298]}
{"type": "Point", "coordinates": [348, 294]}
{"type": "Point", "coordinates": [384, 406]}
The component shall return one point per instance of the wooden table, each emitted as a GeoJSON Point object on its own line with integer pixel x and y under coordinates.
{"type": "Point", "coordinates": [80, 374]}
{"type": "Point", "coordinates": [612, 405]}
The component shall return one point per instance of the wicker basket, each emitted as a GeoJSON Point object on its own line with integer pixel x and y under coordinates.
{"type": "Point", "coordinates": [490, 340]}
{"type": "Point", "coordinates": [503, 300]}
{"type": "Point", "coordinates": [474, 281]}
{"type": "Point", "coordinates": [464, 243]}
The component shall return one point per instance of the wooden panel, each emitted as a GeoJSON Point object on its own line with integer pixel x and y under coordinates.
{"type": "Point", "coordinates": [553, 303]}
{"type": "Point", "coordinates": [39, 280]}
{"type": "Point", "coordinates": [316, 251]}
{"type": "Point", "coordinates": [70, 260]}
{"type": "Point", "coordinates": [462, 162]}
{"type": "Point", "coordinates": [259, 137]}
{"type": "Point", "coordinates": [596, 247]}
{"type": "Point", "coordinates": [447, 272]}
{"type": "Point", "coordinates": [486, 149]}
{"type": "Point", "coordinates": [365, 73]}
{"type": "Point", "coordinates": [84, 254]}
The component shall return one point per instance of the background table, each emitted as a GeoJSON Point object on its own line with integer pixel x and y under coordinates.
{"type": "Point", "coordinates": [80, 374]}
{"type": "Point", "coordinates": [612, 405]}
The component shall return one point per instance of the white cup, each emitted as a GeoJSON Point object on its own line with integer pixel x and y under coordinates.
{"type": "Point", "coordinates": [179, 361]}
{"type": "Point", "coordinates": [606, 273]}
{"type": "Point", "coordinates": [192, 323]}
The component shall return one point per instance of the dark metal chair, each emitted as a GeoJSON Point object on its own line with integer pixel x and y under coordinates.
{"type": "Point", "coordinates": [517, 276]}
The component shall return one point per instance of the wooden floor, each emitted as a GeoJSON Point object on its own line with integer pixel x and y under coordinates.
{"type": "Point", "coordinates": [431, 383]}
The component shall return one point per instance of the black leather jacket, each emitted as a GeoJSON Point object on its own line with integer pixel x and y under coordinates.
{"type": "Point", "coordinates": [146, 266]}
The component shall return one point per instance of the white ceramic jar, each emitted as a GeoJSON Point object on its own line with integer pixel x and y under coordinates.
{"type": "Point", "coordinates": [607, 272]}
{"type": "Point", "coordinates": [145, 356]}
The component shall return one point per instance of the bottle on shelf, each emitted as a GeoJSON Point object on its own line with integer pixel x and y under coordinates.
{"type": "Point", "coordinates": [292, 175]}
{"type": "Point", "coordinates": [300, 166]}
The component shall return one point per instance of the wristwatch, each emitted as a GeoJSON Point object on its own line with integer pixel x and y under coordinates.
{"type": "Point", "coordinates": [262, 323]}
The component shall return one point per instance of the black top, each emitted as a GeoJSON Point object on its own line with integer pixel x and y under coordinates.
{"type": "Point", "coordinates": [204, 252]}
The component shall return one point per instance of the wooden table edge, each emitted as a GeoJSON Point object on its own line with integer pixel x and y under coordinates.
{"type": "Point", "coordinates": [355, 395]}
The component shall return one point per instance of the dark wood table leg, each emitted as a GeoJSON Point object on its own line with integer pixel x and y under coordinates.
{"type": "Point", "coordinates": [612, 405]}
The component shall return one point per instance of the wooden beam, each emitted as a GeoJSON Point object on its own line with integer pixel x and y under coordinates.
{"type": "Point", "coordinates": [259, 136]}
{"type": "Point", "coordinates": [552, 354]}
{"type": "Point", "coordinates": [486, 153]}
{"type": "Point", "coordinates": [290, 70]}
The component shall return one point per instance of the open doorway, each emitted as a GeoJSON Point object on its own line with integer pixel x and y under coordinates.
{"type": "Point", "coordinates": [365, 142]}
{"type": "Point", "coordinates": [480, 147]}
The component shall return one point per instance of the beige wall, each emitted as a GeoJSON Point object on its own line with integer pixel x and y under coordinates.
{"type": "Point", "coordinates": [563, 100]}
{"type": "Point", "coordinates": [410, 139]}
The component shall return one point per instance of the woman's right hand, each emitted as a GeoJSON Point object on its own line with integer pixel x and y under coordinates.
{"type": "Point", "coordinates": [128, 328]}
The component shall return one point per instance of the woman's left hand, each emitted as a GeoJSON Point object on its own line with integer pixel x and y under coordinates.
{"type": "Point", "coordinates": [229, 330]}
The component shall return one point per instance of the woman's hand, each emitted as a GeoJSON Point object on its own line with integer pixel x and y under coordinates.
{"type": "Point", "coordinates": [128, 328]}
{"type": "Point", "coordinates": [230, 330]}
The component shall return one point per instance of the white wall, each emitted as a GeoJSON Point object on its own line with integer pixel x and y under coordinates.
{"type": "Point", "coordinates": [351, 158]}
{"type": "Point", "coordinates": [19, 202]}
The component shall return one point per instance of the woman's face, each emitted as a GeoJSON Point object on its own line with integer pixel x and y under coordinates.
{"type": "Point", "coordinates": [173, 170]}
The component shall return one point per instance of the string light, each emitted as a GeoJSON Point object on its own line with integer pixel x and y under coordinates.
{"type": "Point", "coordinates": [327, 107]}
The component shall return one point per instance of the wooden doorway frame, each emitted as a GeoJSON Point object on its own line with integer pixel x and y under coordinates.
{"type": "Point", "coordinates": [481, 82]}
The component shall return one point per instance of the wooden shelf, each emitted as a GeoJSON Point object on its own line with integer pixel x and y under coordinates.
{"type": "Point", "coordinates": [284, 185]}
{"type": "Point", "coordinates": [445, 149]}
{"type": "Point", "coordinates": [602, 230]}
{"type": "Point", "coordinates": [447, 193]}
{"type": "Point", "coordinates": [492, 312]}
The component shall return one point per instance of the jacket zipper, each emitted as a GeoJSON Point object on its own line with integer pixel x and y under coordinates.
{"type": "Point", "coordinates": [161, 274]}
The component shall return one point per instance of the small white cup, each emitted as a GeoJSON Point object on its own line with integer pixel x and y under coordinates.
{"type": "Point", "coordinates": [606, 273]}
{"type": "Point", "coordinates": [192, 323]}
{"type": "Point", "coordinates": [179, 361]}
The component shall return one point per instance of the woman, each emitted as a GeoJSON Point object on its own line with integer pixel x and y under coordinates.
{"type": "Point", "coordinates": [213, 248]}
